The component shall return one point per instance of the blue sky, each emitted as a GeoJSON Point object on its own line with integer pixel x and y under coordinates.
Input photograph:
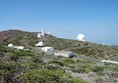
{"type": "Point", "coordinates": [97, 19]}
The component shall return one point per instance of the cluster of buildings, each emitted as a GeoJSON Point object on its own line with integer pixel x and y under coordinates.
{"type": "Point", "coordinates": [41, 44]}
{"type": "Point", "coordinates": [44, 48]}
{"type": "Point", "coordinates": [16, 47]}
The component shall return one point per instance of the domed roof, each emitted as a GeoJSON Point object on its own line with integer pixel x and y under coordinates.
{"type": "Point", "coordinates": [81, 37]}
{"type": "Point", "coordinates": [10, 45]}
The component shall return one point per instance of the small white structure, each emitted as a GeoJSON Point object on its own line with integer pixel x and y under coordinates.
{"type": "Point", "coordinates": [42, 32]}
{"type": "Point", "coordinates": [108, 61]}
{"type": "Point", "coordinates": [19, 47]}
{"type": "Point", "coordinates": [48, 49]}
{"type": "Point", "coordinates": [39, 35]}
{"type": "Point", "coordinates": [104, 44]}
{"type": "Point", "coordinates": [40, 44]}
{"type": "Point", "coordinates": [81, 37]}
{"type": "Point", "coordinates": [10, 45]}
{"type": "Point", "coordinates": [64, 53]}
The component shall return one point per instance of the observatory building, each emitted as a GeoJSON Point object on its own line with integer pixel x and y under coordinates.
{"type": "Point", "coordinates": [17, 47]}
{"type": "Point", "coordinates": [64, 53]}
{"type": "Point", "coordinates": [47, 49]}
{"type": "Point", "coordinates": [10, 45]}
{"type": "Point", "coordinates": [40, 44]}
{"type": "Point", "coordinates": [81, 37]}
{"type": "Point", "coordinates": [40, 36]}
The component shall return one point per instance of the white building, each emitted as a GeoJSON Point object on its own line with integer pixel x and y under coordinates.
{"type": "Point", "coordinates": [105, 44]}
{"type": "Point", "coordinates": [10, 45]}
{"type": "Point", "coordinates": [81, 37]}
{"type": "Point", "coordinates": [64, 53]}
{"type": "Point", "coordinates": [40, 44]}
{"type": "Point", "coordinates": [19, 47]}
{"type": "Point", "coordinates": [48, 49]}
{"type": "Point", "coordinates": [108, 61]}
{"type": "Point", "coordinates": [39, 35]}
{"type": "Point", "coordinates": [42, 32]}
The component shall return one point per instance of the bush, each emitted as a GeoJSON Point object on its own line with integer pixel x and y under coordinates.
{"type": "Point", "coordinates": [98, 69]}
{"type": "Point", "coordinates": [57, 62]}
{"type": "Point", "coordinates": [80, 70]}
{"type": "Point", "coordinates": [47, 76]}
{"type": "Point", "coordinates": [69, 61]}
{"type": "Point", "coordinates": [52, 67]}
{"type": "Point", "coordinates": [14, 57]}
{"type": "Point", "coordinates": [3, 49]}
{"type": "Point", "coordinates": [36, 59]}
{"type": "Point", "coordinates": [1, 73]}
{"type": "Point", "coordinates": [23, 52]}
{"type": "Point", "coordinates": [30, 65]}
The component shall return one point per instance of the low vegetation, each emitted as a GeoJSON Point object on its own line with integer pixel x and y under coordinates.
{"type": "Point", "coordinates": [30, 66]}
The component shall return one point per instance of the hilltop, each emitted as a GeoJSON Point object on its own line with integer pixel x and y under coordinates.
{"type": "Point", "coordinates": [30, 66]}
{"type": "Point", "coordinates": [29, 39]}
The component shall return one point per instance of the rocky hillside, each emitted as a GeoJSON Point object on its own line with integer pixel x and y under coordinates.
{"type": "Point", "coordinates": [32, 66]}
{"type": "Point", "coordinates": [29, 39]}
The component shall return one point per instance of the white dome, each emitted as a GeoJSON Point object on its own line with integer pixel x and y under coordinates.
{"type": "Point", "coordinates": [81, 37]}
{"type": "Point", "coordinates": [40, 44]}
{"type": "Point", "coordinates": [10, 45]}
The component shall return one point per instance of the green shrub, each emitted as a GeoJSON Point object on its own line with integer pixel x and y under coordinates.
{"type": "Point", "coordinates": [52, 67]}
{"type": "Point", "coordinates": [23, 52]}
{"type": "Point", "coordinates": [57, 62]}
{"type": "Point", "coordinates": [80, 70]}
{"type": "Point", "coordinates": [98, 69]}
{"type": "Point", "coordinates": [30, 65]}
{"type": "Point", "coordinates": [37, 59]}
{"type": "Point", "coordinates": [47, 76]}
{"type": "Point", "coordinates": [69, 61]}
{"type": "Point", "coordinates": [82, 61]}
{"type": "Point", "coordinates": [3, 49]}
{"type": "Point", "coordinates": [14, 57]}
{"type": "Point", "coordinates": [1, 73]}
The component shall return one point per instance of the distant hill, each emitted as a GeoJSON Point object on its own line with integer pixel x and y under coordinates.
{"type": "Point", "coordinates": [29, 39]}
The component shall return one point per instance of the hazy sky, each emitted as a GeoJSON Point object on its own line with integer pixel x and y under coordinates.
{"type": "Point", "coordinates": [97, 19]}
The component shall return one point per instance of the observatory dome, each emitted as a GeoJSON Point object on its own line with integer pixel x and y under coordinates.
{"type": "Point", "coordinates": [10, 45]}
{"type": "Point", "coordinates": [81, 37]}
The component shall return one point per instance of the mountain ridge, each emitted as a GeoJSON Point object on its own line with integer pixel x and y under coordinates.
{"type": "Point", "coordinates": [29, 39]}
